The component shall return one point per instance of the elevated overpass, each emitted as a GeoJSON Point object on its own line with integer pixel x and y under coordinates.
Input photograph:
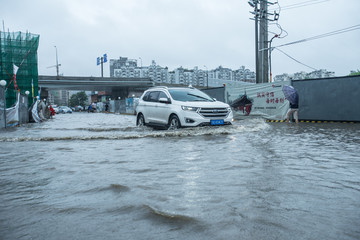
{"type": "Point", "coordinates": [94, 83]}
{"type": "Point", "coordinates": [118, 87]}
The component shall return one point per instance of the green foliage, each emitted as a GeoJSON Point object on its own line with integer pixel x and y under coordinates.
{"type": "Point", "coordinates": [353, 73]}
{"type": "Point", "coordinates": [79, 98]}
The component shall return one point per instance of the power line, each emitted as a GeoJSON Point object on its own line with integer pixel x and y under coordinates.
{"type": "Point", "coordinates": [295, 59]}
{"type": "Point", "coordinates": [302, 4]}
{"type": "Point", "coordinates": [344, 30]}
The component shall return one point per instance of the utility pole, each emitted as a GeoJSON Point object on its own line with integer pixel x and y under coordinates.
{"type": "Point", "coordinates": [263, 43]}
{"type": "Point", "coordinates": [261, 38]}
{"type": "Point", "coordinates": [257, 75]}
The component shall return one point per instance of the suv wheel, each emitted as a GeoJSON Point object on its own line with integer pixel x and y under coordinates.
{"type": "Point", "coordinates": [140, 120]}
{"type": "Point", "coordinates": [174, 122]}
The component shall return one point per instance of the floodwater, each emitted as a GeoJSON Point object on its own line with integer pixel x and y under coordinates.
{"type": "Point", "coordinates": [97, 176]}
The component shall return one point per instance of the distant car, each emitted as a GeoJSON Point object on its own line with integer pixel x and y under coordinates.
{"type": "Point", "coordinates": [78, 108]}
{"type": "Point", "coordinates": [64, 109]}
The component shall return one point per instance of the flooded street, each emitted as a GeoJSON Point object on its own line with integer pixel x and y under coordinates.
{"type": "Point", "coordinates": [97, 176]}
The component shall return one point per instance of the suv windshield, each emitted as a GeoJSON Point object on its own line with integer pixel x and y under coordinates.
{"type": "Point", "coordinates": [189, 95]}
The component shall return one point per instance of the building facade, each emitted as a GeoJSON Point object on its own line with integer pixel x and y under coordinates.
{"type": "Point", "coordinates": [128, 68]}
{"type": "Point", "coordinates": [322, 73]}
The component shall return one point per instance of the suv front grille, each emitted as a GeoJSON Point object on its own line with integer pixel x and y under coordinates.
{"type": "Point", "coordinates": [214, 112]}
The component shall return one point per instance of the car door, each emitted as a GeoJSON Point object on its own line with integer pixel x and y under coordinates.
{"type": "Point", "coordinates": [151, 106]}
{"type": "Point", "coordinates": [164, 109]}
{"type": "Point", "coordinates": [161, 111]}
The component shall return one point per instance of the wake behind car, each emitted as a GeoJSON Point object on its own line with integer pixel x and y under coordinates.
{"type": "Point", "coordinates": [176, 107]}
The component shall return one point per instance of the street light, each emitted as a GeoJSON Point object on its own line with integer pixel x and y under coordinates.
{"type": "Point", "coordinates": [271, 49]}
{"type": "Point", "coordinates": [57, 62]}
{"type": "Point", "coordinates": [140, 67]}
{"type": "Point", "coordinates": [207, 77]}
{"type": "Point", "coordinates": [3, 84]}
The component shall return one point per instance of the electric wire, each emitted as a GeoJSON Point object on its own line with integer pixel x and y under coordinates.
{"type": "Point", "coordinates": [301, 4]}
{"type": "Point", "coordinates": [344, 30]}
{"type": "Point", "coordinates": [276, 22]}
{"type": "Point", "coordinates": [295, 59]}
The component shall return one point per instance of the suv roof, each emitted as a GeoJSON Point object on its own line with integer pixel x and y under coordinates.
{"type": "Point", "coordinates": [165, 87]}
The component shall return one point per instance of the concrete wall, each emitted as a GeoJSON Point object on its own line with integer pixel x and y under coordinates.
{"type": "Point", "coordinates": [218, 93]}
{"type": "Point", "coordinates": [329, 99]}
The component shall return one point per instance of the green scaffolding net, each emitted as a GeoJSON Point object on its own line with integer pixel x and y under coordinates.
{"type": "Point", "coordinates": [18, 54]}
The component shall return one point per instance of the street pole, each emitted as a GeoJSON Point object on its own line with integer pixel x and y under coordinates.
{"type": "Point", "coordinates": [270, 55]}
{"type": "Point", "coordinates": [102, 68]}
{"type": "Point", "coordinates": [207, 77]}
{"type": "Point", "coordinates": [3, 84]}
{"type": "Point", "coordinates": [140, 67]}
{"type": "Point", "coordinates": [57, 62]}
{"type": "Point", "coordinates": [257, 73]}
{"type": "Point", "coordinates": [101, 60]}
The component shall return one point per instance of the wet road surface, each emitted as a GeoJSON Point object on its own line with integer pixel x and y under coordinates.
{"type": "Point", "coordinates": [97, 176]}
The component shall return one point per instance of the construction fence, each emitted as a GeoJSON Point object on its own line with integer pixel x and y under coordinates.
{"type": "Point", "coordinates": [324, 99]}
{"type": "Point", "coordinates": [19, 64]}
{"type": "Point", "coordinates": [15, 115]}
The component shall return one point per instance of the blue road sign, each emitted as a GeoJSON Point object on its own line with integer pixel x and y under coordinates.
{"type": "Point", "coordinates": [105, 58]}
{"type": "Point", "coordinates": [98, 61]}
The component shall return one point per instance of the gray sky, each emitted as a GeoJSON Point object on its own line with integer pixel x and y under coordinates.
{"type": "Point", "coordinates": [185, 33]}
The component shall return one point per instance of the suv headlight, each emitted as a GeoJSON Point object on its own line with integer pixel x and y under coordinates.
{"type": "Point", "coordinates": [187, 108]}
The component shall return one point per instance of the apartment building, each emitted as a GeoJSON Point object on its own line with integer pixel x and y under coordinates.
{"type": "Point", "coordinates": [128, 68]}
{"type": "Point", "coordinates": [322, 73]}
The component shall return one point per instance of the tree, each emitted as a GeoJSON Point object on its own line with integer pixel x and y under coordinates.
{"type": "Point", "coordinates": [77, 99]}
{"type": "Point", "coordinates": [353, 73]}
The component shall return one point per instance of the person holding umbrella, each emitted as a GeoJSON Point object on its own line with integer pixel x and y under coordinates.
{"type": "Point", "coordinates": [293, 98]}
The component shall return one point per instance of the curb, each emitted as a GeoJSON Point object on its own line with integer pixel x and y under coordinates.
{"type": "Point", "coordinates": [311, 121]}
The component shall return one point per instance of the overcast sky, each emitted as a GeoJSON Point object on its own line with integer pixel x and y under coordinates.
{"type": "Point", "coordinates": [185, 33]}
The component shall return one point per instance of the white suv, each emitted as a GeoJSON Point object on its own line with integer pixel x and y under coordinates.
{"type": "Point", "coordinates": [175, 107]}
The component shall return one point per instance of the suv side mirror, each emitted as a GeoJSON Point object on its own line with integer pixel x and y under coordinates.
{"type": "Point", "coordinates": [164, 100]}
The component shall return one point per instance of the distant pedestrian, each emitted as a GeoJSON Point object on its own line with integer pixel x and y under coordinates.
{"type": "Point", "coordinates": [292, 96]}
{"type": "Point", "coordinates": [90, 108]}
{"type": "Point", "coordinates": [293, 110]}
{"type": "Point", "coordinates": [106, 107]}
{"type": "Point", "coordinates": [52, 111]}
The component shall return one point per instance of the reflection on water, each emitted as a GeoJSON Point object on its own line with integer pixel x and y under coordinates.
{"type": "Point", "coordinates": [97, 176]}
